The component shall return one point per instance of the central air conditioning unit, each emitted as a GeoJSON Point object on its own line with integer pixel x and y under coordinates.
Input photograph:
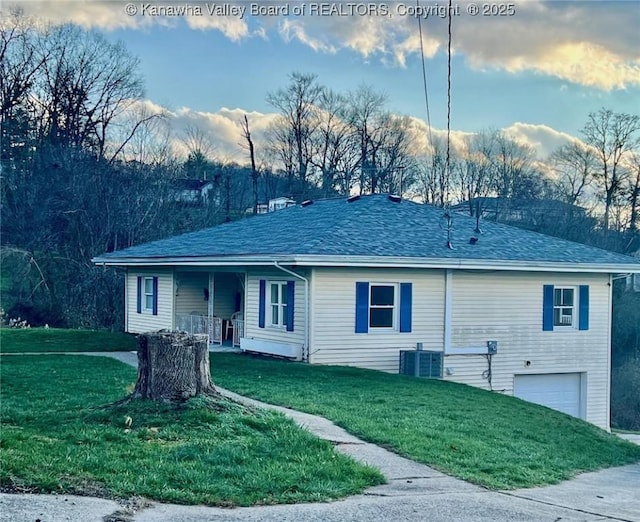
{"type": "Point", "coordinates": [421, 363]}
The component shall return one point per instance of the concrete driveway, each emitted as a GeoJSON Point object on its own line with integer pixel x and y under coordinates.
{"type": "Point", "coordinates": [414, 492]}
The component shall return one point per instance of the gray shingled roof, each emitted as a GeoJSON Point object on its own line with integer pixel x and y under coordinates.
{"type": "Point", "coordinates": [372, 226]}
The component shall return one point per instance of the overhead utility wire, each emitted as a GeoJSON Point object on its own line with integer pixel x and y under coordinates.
{"type": "Point", "coordinates": [448, 159]}
{"type": "Point", "coordinates": [447, 164]}
{"type": "Point", "coordinates": [424, 77]}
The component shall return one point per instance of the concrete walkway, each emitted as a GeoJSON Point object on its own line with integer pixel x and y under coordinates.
{"type": "Point", "coordinates": [414, 492]}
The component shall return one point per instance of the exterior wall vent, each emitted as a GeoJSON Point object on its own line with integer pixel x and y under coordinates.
{"type": "Point", "coordinates": [421, 363]}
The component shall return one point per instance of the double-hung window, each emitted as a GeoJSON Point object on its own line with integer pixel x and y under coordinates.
{"type": "Point", "coordinates": [147, 295]}
{"type": "Point", "coordinates": [147, 301]}
{"type": "Point", "coordinates": [278, 302]}
{"type": "Point", "coordinates": [564, 307]}
{"type": "Point", "coordinates": [382, 305]}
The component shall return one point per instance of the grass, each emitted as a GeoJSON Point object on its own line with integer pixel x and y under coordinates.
{"type": "Point", "coordinates": [56, 438]}
{"type": "Point", "coordinates": [486, 438]}
{"type": "Point", "coordinates": [31, 340]}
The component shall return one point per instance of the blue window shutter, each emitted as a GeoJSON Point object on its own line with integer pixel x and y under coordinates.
{"type": "Point", "coordinates": [362, 307]}
{"type": "Point", "coordinates": [155, 296]}
{"type": "Point", "coordinates": [291, 295]}
{"type": "Point", "coordinates": [583, 317]}
{"type": "Point", "coordinates": [547, 308]}
{"type": "Point", "coordinates": [261, 300]}
{"type": "Point", "coordinates": [406, 292]}
{"type": "Point", "coordinates": [139, 296]}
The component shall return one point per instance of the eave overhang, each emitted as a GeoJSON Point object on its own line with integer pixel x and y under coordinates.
{"type": "Point", "coordinates": [370, 262]}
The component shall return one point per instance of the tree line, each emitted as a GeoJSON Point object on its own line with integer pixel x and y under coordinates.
{"type": "Point", "coordinates": [350, 142]}
{"type": "Point", "coordinates": [84, 171]}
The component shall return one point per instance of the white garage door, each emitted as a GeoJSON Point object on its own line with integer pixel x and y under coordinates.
{"type": "Point", "coordinates": [560, 391]}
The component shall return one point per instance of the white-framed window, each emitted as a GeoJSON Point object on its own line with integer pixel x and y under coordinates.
{"type": "Point", "coordinates": [278, 303]}
{"type": "Point", "coordinates": [147, 295]}
{"type": "Point", "coordinates": [564, 307]}
{"type": "Point", "coordinates": [382, 305]}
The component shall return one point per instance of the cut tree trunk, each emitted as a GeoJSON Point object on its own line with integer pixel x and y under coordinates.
{"type": "Point", "coordinates": [172, 367]}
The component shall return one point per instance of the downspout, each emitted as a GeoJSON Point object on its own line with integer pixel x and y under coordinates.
{"type": "Point", "coordinates": [609, 333]}
{"type": "Point", "coordinates": [126, 298]}
{"type": "Point", "coordinates": [305, 350]}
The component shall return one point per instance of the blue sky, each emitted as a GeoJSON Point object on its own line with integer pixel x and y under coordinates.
{"type": "Point", "coordinates": [204, 70]}
{"type": "Point", "coordinates": [540, 70]}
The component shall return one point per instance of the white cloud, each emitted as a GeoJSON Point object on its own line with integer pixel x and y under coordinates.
{"type": "Point", "coordinates": [110, 15]}
{"type": "Point", "coordinates": [294, 29]}
{"type": "Point", "coordinates": [232, 27]}
{"type": "Point", "coordinates": [587, 43]}
{"type": "Point", "coordinates": [222, 129]}
{"type": "Point", "coordinates": [541, 138]}
{"type": "Point", "coordinates": [424, 140]}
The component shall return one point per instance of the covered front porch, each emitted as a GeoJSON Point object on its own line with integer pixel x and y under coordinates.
{"type": "Point", "coordinates": [210, 304]}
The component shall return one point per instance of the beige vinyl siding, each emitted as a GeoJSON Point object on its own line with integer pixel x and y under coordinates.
{"type": "Point", "coordinates": [334, 340]}
{"type": "Point", "coordinates": [507, 307]}
{"type": "Point", "coordinates": [270, 333]}
{"type": "Point", "coordinates": [145, 321]}
{"type": "Point", "coordinates": [190, 292]}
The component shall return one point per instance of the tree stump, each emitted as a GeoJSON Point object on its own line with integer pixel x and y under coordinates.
{"type": "Point", "coordinates": [172, 367]}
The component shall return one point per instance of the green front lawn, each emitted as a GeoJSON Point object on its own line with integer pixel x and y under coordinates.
{"type": "Point", "coordinates": [483, 437]}
{"type": "Point", "coordinates": [55, 438]}
{"type": "Point", "coordinates": [31, 340]}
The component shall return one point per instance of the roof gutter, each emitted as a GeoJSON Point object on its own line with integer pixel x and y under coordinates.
{"type": "Point", "coordinates": [378, 262]}
{"type": "Point", "coordinates": [305, 349]}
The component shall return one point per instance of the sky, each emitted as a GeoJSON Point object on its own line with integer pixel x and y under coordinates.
{"type": "Point", "coordinates": [533, 68]}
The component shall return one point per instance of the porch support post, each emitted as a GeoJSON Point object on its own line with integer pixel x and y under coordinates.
{"type": "Point", "coordinates": [210, 310]}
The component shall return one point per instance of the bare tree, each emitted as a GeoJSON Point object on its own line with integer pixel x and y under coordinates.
{"type": "Point", "coordinates": [291, 136]}
{"type": "Point", "coordinates": [198, 143]}
{"type": "Point", "coordinates": [634, 192]}
{"type": "Point", "coordinates": [432, 178]}
{"type": "Point", "coordinates": [199, 163]}
{"type": "Point", "coordinates": [20, 61]}
{"type": "Point", "coordinates": [575, 166]}
{"type": "Point", "coordinates": [86, 82]}
{"type": "Point", "coordinates": [473, 174]}
{"type": "Point", "coordinates": [366, 108]}
{"type": "Point", "coordinates": [246, 134]}
{"type": "Point", "coordinates": [142, 135]}
{"type": "Point", "coordinates": [612, 137]}
{"type": "Point", "coordinates": [333, 149]}
{"type": "Point", "coordinates": [383, 141]}
{"type": "Point", "coordinates": [513, 175]}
